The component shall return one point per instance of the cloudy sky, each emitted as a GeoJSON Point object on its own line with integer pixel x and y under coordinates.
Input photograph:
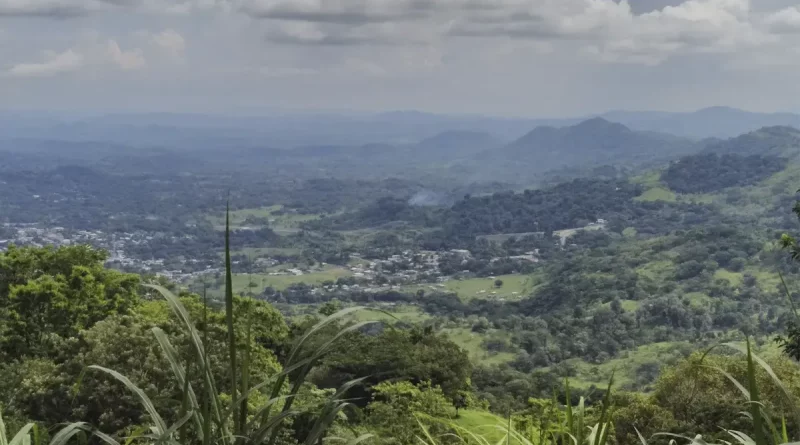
{"type": "Point", "coordinates": [505, 57]}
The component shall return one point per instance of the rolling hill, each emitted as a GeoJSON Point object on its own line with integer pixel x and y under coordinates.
{"type": "Point", "coordinates": [590, 143]}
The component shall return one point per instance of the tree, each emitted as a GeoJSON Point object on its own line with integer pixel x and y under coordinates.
{"type": "Point", "coordinates": [392, 413]}
{"type": "Point", "coordinates": [330, 308]}
{"type": "Point", "coordinates": [415, 355]}
{"type": "Point", "coordinates": [47, 294]}
{"type": "Point", "coordinates": [57, 389]}
{"type": "Point", "coordinates": [701, 398]}
{"type": "Point", "coordinates": [498, 283]}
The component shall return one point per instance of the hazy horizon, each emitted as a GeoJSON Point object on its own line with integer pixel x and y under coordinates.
{"type": "Point", "coordinates": [359, 113]}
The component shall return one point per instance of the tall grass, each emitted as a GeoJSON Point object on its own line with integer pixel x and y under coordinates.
{"type": "Point", "coordinates": [572, 427]}
{"type": "Point", "coordinates": [29, 434]}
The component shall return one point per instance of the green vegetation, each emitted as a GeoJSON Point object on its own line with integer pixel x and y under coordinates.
{"type": "Point", "coordinates": [641, 365]}
{"type": "Point", "coordinates": [276, 217]}
{"type": "Point", "coordinates": [404, 314]}
{"type": "Point", "coordinates": [514, 287]}
{"type": "Point", "coordinates": [709, 172]}
{"type": "Point", "coordinates": [734, 278]}
{"type": "Point", "coordinates": [484, 424]}
{"type": "Point", "coordinates": [481, 316]}
{"type": "Point", "coordinates": [248, 283]}
{"type": "Point", "coordinates": [473, 343]}
{"type": "Point", "coordinates": [658, 194]}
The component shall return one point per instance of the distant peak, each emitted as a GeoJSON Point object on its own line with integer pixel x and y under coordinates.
{"type": "Point", "coordinates": [456, 135]}
{"type": "Point", "coordinates": [778, 130]}
{"type": "Point", "coordinates": [718, 108]}
{"type": "Point", "coordinates": [600, 124]}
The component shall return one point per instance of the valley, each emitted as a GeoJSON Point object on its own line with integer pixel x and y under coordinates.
{"type": "Point", "coordinates": [621, 254]}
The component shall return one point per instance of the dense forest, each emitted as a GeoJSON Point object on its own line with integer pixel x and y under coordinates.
{"type": "Point", "coordinates": [710, 172]}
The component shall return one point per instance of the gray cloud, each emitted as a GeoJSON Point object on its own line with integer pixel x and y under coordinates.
{"type": "Point", "coordinates": [352, 13]}
{"type": "Point", "coordinates": [45, 8]}
{"type": "Point", "coordinates": [64, 9]}
{"type": "Point", "coordinates": [784, 21]}
{"type": "Point", "coordinates": [523, 56]}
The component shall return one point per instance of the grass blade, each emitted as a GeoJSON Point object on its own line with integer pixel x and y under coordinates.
{"type": "Point", "coordinates": [64, 435]}
{"type": "Point", "coordinates": [209, 386]}
{"type": "Point", "coordinates": [229, 318]}
{"type": "Point", "coordinates": [18, 438]}
{"type": "Point", "coordinates": [183, 379]}
{"type": "Point", "coordinates": [245, 377]}
{"type": "Point", "coordinates": [755, 409]}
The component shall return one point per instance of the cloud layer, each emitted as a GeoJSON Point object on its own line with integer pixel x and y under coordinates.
{"type": "Point", "coordinates": [445, 46]}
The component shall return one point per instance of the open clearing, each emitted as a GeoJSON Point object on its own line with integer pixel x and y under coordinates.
{"type": "Point", "coordinates": [514, 287]}
{"type": "Point", "coordinates": [282, 223]}
{"type": "Point", "coordinates": [242, 282]}
{"type": "Point", "coordinates": [472, 342]}
{"type": "Point", "coordinates": [626, 367]}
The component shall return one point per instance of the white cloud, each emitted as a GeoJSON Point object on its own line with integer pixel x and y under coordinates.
{"type": "Point", "coordinates": [56, 63]}
{"type": "Point", "coordinates": [169, 40]}
{"type": "Point", "coordinates": [126, 60]}
{"type": "Point", "coordinates": [91, 56]}
{"type": "Point", "coordinates": [784, 21]}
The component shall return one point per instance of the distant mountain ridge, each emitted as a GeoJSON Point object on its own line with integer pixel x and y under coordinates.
{"type": "Point", "coordinates": [294, 129]}
{"type": "Point", "coordinates": [719, 121]}
{"type": "Point", "coordinates": [590, 143]}
{"type": "Point", "coordinates": [766, 141]}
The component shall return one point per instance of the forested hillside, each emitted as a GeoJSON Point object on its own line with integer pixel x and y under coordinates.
{"type": "Point", "coordinates": [711, 172]}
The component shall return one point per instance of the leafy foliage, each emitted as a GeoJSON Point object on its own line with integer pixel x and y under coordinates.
{"type": "Point", "coordinates": [47, 295]}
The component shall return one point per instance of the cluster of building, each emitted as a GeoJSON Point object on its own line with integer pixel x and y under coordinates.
{"type": "Point", "coordinates": [31, 234]}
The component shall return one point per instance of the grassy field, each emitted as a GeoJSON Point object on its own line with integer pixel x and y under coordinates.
{"type": "Point", "coordinates": [627, 305]}
{"type": "Point", "coordinates": [473, 343]}
{"type": "Point", "coordinates": [514, 287]}
{"type": "Point", "coordinates": [648, 180]}
{"type": "Point", "coordinates": [241, 282]}
{"type": "Point", "coordinates": [625, 366]}
{"type": "Point", "coordinates": [735, 278]}
{"type": "Point", "coordinates": [658, 271]}
{"type": "Point", "coordinates": [698, 299]}
{"type": "Point", "coordinates": [655, 190]}
{"type": "Point", "coordinates": [281, 223]}
{"type": "Point", "coordinates": [766, 280]}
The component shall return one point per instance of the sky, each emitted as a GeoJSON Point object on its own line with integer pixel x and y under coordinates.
{"type": "Point", "coordinates": [532, 58]}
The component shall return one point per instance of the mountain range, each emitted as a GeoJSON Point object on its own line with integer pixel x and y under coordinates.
{"type": "Point", "coordinates": [290, 130]}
